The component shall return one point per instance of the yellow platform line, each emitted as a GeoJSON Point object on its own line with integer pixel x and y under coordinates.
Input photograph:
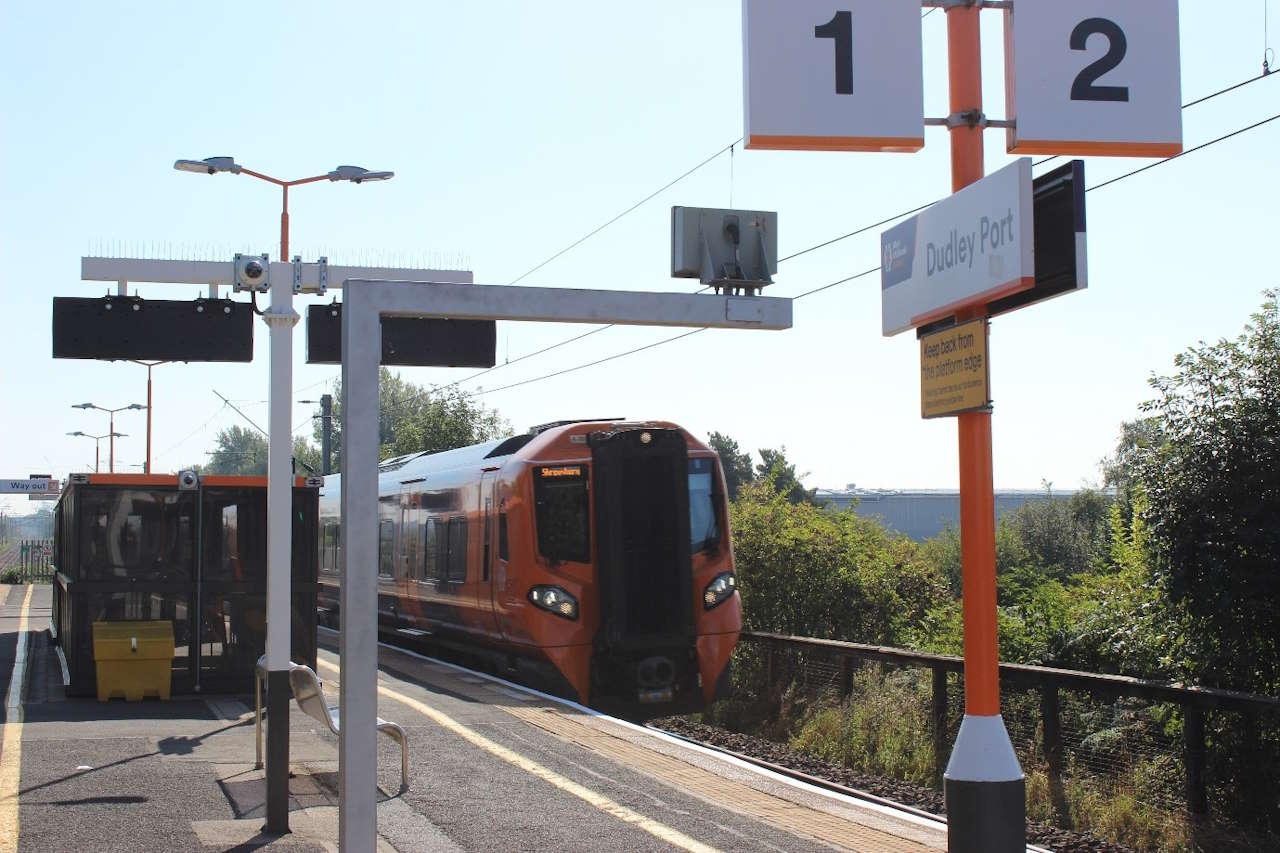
{"type": "Point", "coordinates": [659, 830]}
{"type": "Point", "coordinates": [11, 751]}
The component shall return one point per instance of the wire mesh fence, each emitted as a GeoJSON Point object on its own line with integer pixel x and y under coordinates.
{"type": "Point", "coordinates": [1155, 766]}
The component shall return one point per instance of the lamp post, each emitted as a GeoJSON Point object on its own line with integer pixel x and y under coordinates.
{"type": "Point", "coordinates": [96, 443]}
{"type": "Point", "coordinates": [326, 429]}
{"type": "Point", "coordinates": [280, 319]}
{"type": "Point", "coordinates": [146, 466]}
{"type": "Point", "coordinates": [111, 426]}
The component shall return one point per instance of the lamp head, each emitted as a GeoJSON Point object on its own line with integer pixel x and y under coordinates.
{"type": "Point", "coordinates": [358, 175]}
{"type": "Point", "coordinates": [209, 165]}
{"type": "Point", "coordinates": [83, 406]}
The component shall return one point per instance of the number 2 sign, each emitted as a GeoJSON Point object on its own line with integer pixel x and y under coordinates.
{"type": "Point", "coordinates": [1093, 77]}
{"type": "Point", "coordinates": [833, 75]}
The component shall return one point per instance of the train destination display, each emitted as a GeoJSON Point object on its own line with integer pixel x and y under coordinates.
{"type": "Point", "coordinates": [970, 248]}
{"type": "Point", "coordinates": [954, 373]}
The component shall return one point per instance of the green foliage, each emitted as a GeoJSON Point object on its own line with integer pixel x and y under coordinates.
{"type": "Point", "coordinates": [413, 418]}
{"type": "Point", "coordinates": [237, 450]}
{"type": "Point", "coordinates": [806, 571]}
{"type": "Point", "coordinates": [884, 728]}
{"type": "Point", "coordinates": [1213, 485]}
{"type": "Point", "coordinates": [736, 464]}
{"type": "Point", "coordinates": [781, 476]}
{"type": "Point", "coordinates": [11, 576]}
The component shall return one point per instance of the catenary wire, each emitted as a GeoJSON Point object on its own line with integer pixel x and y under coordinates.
{"type": "Point", "coordinates": [864, 273]}
{"type": "Point", "coordinates": [823, 244]}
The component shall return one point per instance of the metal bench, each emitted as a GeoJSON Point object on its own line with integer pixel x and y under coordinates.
{"type": "Point", "coordinates": [309, 695]}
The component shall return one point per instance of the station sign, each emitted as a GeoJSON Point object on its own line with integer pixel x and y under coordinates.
{"type": "Point", "coordinates": [955, 375]}
{"type": "Point", "coordinates": [832, 75]}
{"type": "Point", "coordinates": [971, 248]}
{"type": "Point", "coordinates": [1093, 77]}
{"type": "Point", "coordinates": [28, 486]}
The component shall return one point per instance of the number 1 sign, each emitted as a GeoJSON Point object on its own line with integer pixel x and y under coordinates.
{"type": "Point", "coordinates": [1093, 77]}
{"type": "Point", "coordinates": [833, 75]}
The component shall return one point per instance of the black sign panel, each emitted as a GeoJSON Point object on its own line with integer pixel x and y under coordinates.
{"type": "Point", "coordinates": [1058, 216]}
{"type": "Point", "coordinates": [1058, 205]}
{"type": "Point", "coordinates": [407, 341]}
{"type": "Point", "coordinates": [127, 327]}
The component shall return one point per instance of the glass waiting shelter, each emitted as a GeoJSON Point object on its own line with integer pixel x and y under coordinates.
{"type": "Point", "coordinates": [184, 549]}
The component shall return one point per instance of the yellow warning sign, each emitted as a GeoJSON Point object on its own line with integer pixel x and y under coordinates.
{"type": "Point", "coordinates": [954, 375]}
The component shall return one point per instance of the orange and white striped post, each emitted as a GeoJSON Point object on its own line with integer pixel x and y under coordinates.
{"type": "Point", "coordinates": [984, 785]}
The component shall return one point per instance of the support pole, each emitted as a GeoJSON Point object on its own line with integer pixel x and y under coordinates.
{"type": "Point", "coordinates": [146, 469]}
{"type": "Point", "coordinates": [111, 443]}
{"type": "Point", "coordinates": [984, 786]}
{"type": "Point", "coordinates": [326, 434]}
{"type": "Point", "coordinates": [280, 318]}
{"type": "Point", "coordinates": [358, 596]}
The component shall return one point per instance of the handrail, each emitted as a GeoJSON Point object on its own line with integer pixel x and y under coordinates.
{"type": "Point", "coordinates": [1199, 697]}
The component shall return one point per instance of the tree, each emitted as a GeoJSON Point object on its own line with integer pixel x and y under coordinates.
{"type": "Point", "coordinates": [1213, 485]}
{"type": "Point", "coordinates": [413, 418]}
{"type": "Point", "coordinates": [736, 464]}
{"type": "Point", "coordinates": [806, 571]}
{"type": "Point", "coordinates": [237, 450]}
{"type": "Point", "coordinates": [780, 474]}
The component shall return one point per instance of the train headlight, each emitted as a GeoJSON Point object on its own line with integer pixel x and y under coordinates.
{"type": "Point", "coordinates": [719, 590]}
{"type": "Point", "coordinates": [555, 600]}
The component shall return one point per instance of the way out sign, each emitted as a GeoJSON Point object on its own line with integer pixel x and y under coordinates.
{"type": "Point", "coordinates": [832, 75]}
{"type": "Point", "coordinates": [1093, 77]}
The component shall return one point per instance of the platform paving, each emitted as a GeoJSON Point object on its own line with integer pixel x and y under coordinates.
{"type": "Point", "coordinates": [492, 769]}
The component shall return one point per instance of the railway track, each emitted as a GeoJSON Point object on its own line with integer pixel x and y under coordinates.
{"type": "Point", "coordinates": [758, 753]}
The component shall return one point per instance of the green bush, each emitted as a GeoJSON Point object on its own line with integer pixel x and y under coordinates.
{"type": "Point", "coordinates": [11, 575]}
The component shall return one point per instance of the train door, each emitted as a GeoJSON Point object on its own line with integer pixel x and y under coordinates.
{"type": "Point", "coordinates": [488, 551]}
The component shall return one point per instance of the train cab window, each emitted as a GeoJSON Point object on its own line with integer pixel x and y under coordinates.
{"type": "Point", "coordinates": [386, 548]}
{"type": "Point", "coordinates": [504, 551]}
{"type": "Point", "coordinates": [560, 500]}
{"type": "Point", "coordinates": [704, 529]}
{"type": "Point", "coordinates": [458, 549]}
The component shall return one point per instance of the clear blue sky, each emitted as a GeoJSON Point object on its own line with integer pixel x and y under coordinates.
{"type": "Point", "coordinates": [514, 128]}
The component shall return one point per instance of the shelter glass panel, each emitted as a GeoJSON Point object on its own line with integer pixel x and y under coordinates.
{"type": "Point", "coordinates": [139, 534]}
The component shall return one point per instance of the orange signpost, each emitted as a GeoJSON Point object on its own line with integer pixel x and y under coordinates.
{"type": "Point", "coordinates": [929, 279]}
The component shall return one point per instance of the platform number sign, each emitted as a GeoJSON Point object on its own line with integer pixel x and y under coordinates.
{"type": "Point", "coordinates": [1094, 77]}
{"type": "Point", "coordinates": [833, 75]}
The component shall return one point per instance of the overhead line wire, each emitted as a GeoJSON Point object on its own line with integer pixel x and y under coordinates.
{"type": "Point", "coordinates": [792, 256]}
{"type": "Point", "coordinates": [651, 195]}
{"type": "Point", "coordinates": [862, 274]}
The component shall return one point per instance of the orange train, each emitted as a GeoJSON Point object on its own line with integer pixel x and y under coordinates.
{"type": "Point", "coordinates": [589, 556]}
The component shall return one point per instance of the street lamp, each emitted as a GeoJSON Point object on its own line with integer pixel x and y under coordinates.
{"type": "Point", "coordinates": [146, 467]}
{"type": "Point", "coordinates": [96, 444]}
{"type": "Point", "coordinates": [214, 165]}
{"type": "Point", "coordinates": [280, 318]}
{"type": "Point", "coordinates": [111, 426]}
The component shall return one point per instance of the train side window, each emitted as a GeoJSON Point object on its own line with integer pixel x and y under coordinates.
{"type": "Point", "coordinates": [386, 548]}
{"type": "Point", "coordinates": [431, 552]}
{"type": "Point", "coordinates": [504, 552]}
{"type": "Point", "coordinates": [458, 549]}
{"type": "Point", "coordinates": [419, 569]}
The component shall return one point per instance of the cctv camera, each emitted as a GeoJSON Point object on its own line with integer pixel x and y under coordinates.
{"type": "Point", "coordinates": [253, 272]}
{"type": "Point", "coordinates": [188, 480]}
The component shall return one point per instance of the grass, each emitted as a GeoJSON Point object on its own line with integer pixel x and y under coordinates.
{"type": "Point", "coordinates": [884, 728]}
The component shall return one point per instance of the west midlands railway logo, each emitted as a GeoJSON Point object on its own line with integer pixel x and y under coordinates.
{"type": "Point", "coordinates": [897, 248]}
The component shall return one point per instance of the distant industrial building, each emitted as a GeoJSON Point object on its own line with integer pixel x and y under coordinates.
{"type": "Point", "coordinates": [923, 513]}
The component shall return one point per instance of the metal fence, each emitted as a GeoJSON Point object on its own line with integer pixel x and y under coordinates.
{"type": "Point", "coordinates": [32, 559]}
{"type": "Point", "coordinates": [1199, 760]}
